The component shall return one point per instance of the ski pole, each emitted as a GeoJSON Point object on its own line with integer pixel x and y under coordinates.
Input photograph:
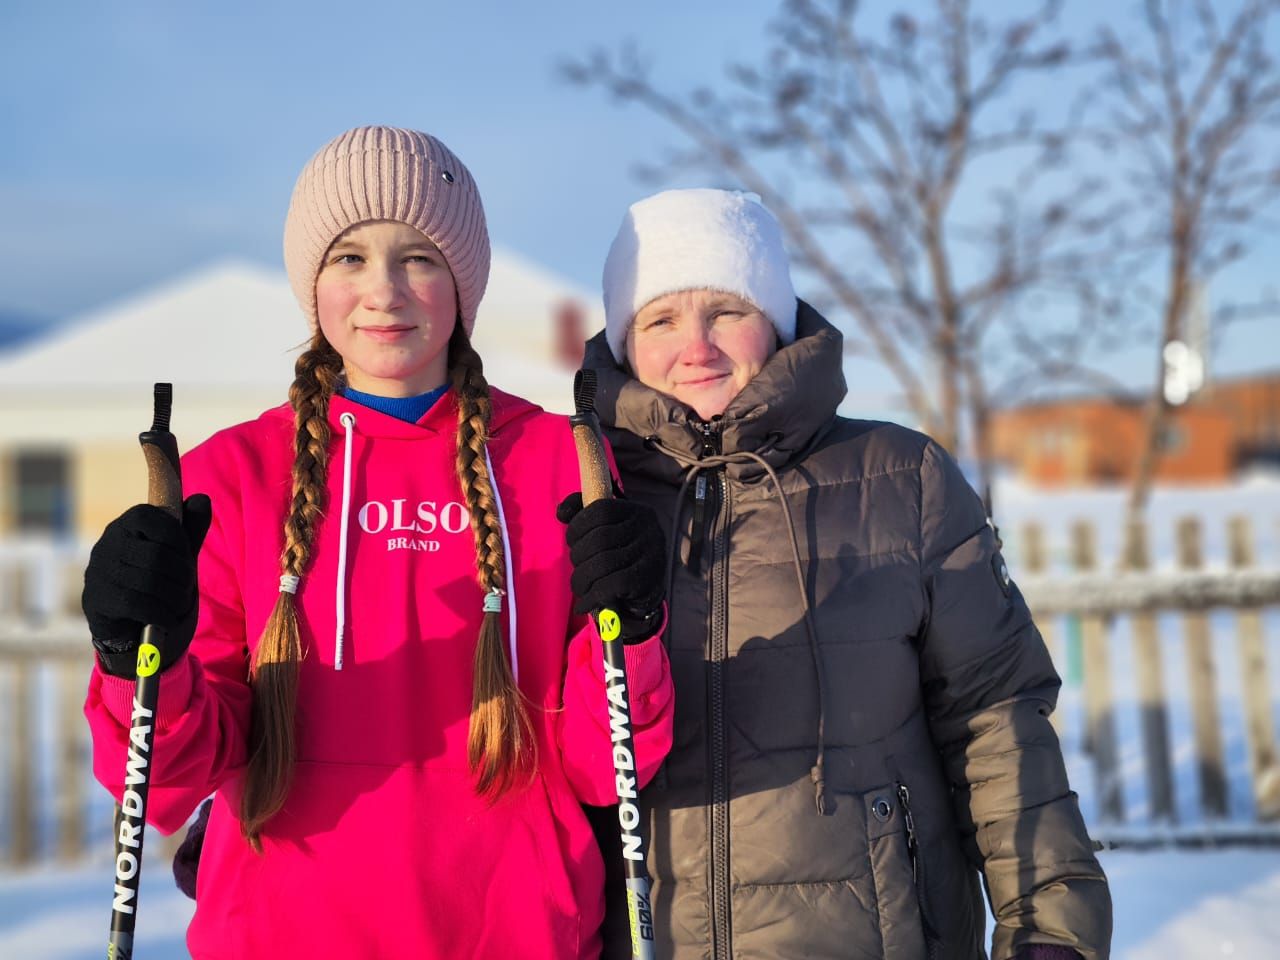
{"type": "Point", "coordinates": [597, 485]}
{"type": "Point", "coordinates": [164, 490]}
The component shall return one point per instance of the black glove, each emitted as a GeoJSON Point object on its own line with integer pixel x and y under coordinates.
{"type": "Point", "coordinates": [142, 571]}
{"type": "Point", "coordinates": [619, 561]}
{"type": "Point", "coordinates": [1045, 951]}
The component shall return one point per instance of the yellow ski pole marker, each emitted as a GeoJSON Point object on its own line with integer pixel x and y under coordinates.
{"type": "Point", "coordinates": [148, 659]}
{"type": "Point", "coordinates": [610, 625]}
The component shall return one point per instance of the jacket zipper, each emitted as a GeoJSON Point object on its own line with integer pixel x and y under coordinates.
{"type": "Point", "coordinates": [699, 522]}
{"type": "Point", "coordinates": [917, 863]}
{"type": "Point", "coordinates": [708, 500]}
{"type": "Point", "coordinates": [702, 495]}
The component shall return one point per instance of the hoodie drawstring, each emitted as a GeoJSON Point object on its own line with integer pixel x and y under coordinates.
{"type": "Point", "coordinates": [509, 577]}
{"type": "Point", "coordinates": [693, 467]}
{"type": "Point", "coordinates": [348, 421]}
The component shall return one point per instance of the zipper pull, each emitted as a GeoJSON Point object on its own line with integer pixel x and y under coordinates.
{"type": "Point", "coordinates": [710, 437]}
{"type": "Point", "coordinates": [904, 795]}
{"type": "Point", "coordinates": [696, 535]}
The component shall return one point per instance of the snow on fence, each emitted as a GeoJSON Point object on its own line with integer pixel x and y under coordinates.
{"type": "Point", "coordinates": [1122, 620]}
{"type": "Point", "coordinates": [47, 801]}
{"type": "Point", "coordinates": [1081, 612]}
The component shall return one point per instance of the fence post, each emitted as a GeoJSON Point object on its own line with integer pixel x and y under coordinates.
{"type": "Point", "coordinates": [1254, 676]}
{"type": "Point", "coordinates": [70, 589]}
{"type": "Point", "coordinates": [20, 586]}
{"type": "Point", "coordinates": [1202, 681]}
{"type": "Point", "coordinates": [1151, 690]}
{"type": "Point", "coordinates": [22, 833]}
{"type": "Point", "coordinates": [72, 681]}
{"type": "Point", "coordinates": [1099, 705]}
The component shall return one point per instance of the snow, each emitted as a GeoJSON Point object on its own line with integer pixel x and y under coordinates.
{"type": "Point", "coordinates": [233, 324]}
{"type": "Point", "coordinates": [226, 336]}
{"type": "Point", "coordinates": [65, 914]}
{"type": "Point", "coordinates": [1169, 905]}
{"type": "Point", "coordinates": [1195, 905]}
{"type": "Point", "coordinates": [1257, 497]}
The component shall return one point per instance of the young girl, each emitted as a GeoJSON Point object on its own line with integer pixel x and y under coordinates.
{"type": "Point", "coordinates": [381, 675]}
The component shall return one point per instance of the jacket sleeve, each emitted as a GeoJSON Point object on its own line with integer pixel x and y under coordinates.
{"type": "Point", "coordinates": [202, 718]}
{"type": "Point", "coordinates": [990, 687]}
{"type": "Point", "coordinates": [584, 728]}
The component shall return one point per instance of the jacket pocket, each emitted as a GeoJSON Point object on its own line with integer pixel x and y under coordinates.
{"type": "Point", "coordinates": [894, 864]}
{"type": "Point", "coordinates": [918, 861]}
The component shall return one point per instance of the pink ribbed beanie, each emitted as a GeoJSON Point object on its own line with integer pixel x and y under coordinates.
{"type": "Point", "coordinates": [385, 173]}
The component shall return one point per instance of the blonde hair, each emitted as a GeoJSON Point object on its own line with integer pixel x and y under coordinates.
{"type": "Point", "coordinates": [500, 743]}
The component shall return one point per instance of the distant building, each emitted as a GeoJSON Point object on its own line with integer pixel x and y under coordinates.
{"type": "Point", "coordinates": [226, 337]}
{"type": "Point", "coordinates": [1097, 440]}
{"type": "Point", "coordinates": [1253, 405]}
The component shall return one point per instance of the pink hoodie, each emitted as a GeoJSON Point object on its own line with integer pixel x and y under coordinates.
{"type": "Point", "coordinates": [383, 848]}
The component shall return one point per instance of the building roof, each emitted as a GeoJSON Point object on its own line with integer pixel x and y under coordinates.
{"type": "Point", "coordinates": [226, 337]}
{"type": "Point", "coordinates": [234, 324]}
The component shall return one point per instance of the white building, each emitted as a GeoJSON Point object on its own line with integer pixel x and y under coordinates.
{"type": "Point", "coordinates": [226, 337]}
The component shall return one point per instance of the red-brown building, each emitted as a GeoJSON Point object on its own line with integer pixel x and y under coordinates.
{"type": "Point", "coordinates": [1253, 404]}
{"type": "Point", "coordinates": [1090, 440]}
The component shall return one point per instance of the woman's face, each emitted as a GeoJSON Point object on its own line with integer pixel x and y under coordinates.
{"type": "Point", "coordinates": [700, 347]}
{"type": "Point", "coordinates": [386, 301]}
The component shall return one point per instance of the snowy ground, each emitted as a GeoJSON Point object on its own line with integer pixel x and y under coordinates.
{"type": "Point", "coordinates": [1169, 904]}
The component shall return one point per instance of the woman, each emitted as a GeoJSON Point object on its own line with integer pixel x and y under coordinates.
{"type": "Point", "coordinates": [396, 759]}
{"type": "Point", "coordinates": [862, 698]}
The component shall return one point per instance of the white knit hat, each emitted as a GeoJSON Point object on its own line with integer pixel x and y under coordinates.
{"type": "Point", "coordinates": [697, 240]}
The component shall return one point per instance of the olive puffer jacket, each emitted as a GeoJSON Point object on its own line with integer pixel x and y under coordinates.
{"type": "Point", "coordinates": [862, 699]}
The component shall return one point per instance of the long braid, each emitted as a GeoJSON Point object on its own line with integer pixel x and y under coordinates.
{"type": "Point", "coordinates": [500, 742]}
{"type": "Point", "coordinates": [273, 675]}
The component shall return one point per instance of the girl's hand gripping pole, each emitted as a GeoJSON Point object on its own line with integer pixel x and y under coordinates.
{"type": "Point", "coordinates": [164, 490]}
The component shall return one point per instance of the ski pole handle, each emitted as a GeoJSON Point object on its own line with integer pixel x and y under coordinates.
{"type": "Point", "coordinates": [160, 449]}
{"type": "Point", "coordinates": [593, 467]}
{"type": "Point", "coordinates": [164, 490]}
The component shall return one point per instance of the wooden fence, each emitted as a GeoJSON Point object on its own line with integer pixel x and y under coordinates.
{"type": "Point", "coordinates": [45, 660]}
{"type": "Point", "coordinates": [1091, 600]}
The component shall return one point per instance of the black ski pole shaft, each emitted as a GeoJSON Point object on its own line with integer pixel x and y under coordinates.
{"type": "Point", "coordinates": [593, 466]}
{"type": "Point", "coordinates": [164, 490]}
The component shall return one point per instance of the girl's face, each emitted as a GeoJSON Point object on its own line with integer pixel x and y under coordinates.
{"type": "Point", "coordinates": [699, 346]}
{"type": "Point", "coordinates": [386, 301]}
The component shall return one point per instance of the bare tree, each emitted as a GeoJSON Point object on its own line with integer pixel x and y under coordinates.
{"type": "Point", "coordinates": [919, 190]}
{"type": "Point", "coordinates": [1190, 107]}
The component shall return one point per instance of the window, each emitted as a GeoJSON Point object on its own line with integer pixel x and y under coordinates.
{"type": "Point", "coordinates": [42, 501]}
{"type": "Point", "coordinates": [1172, 439]}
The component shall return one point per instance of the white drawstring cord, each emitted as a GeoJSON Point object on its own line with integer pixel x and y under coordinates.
{"type": "Point", "coordinates": [506, 557]}
{"type": "Point", "coordinates": [348, 421]}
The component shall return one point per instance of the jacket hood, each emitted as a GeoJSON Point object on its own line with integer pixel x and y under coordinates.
{"type": "Point", "coordinates": [777, 415]}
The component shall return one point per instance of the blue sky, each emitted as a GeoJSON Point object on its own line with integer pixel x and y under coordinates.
{"type": "Point", "coordinates": [148, 138]}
